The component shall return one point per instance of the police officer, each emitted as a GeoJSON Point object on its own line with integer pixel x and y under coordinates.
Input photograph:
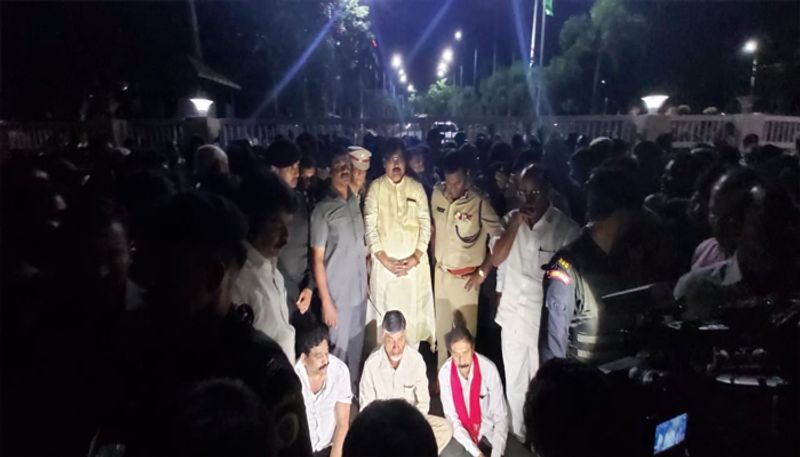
{"type": "Point", "coordinates": [617, 250]}
{"type": "Point", "coordinates": [463, 221]}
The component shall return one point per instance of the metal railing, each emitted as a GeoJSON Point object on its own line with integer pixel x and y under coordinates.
{"type": "Point", "coordinates": [687, 131]}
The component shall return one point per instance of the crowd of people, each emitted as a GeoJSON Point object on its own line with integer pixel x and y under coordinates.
{"type": "Point", "coordinates": [288, 299]}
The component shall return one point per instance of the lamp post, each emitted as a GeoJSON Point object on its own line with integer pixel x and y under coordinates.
{"type": "Point", "coordinates": [751, 47]}
{"type": "Point", "coordinates": [397, 61]}
{"type": "Point", "coordinates": [201, 105]}
{"type": "Point", "coordinates": [653, 102]}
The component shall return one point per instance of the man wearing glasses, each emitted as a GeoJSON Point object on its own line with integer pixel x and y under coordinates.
{"type": "Point", "coordinates": [534, 232]}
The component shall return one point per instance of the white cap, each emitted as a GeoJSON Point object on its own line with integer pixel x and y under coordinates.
{"type": "Point", "coordinates": [360, 157]}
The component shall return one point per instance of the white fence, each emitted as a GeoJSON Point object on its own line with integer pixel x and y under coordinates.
{"type": "Point", "coordinates": [687, 131]}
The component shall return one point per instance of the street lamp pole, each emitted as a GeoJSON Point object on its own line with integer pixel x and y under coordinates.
{"type": "Point", "coordinates": [533, 33]}
{"type": "Point", "coordinates": [475, 68]}
{"type": "Point", "coordinates": [751, 47]}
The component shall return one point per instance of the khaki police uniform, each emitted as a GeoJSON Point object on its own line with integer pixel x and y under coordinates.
{"type": "Point", "coordinates": [462, 229]}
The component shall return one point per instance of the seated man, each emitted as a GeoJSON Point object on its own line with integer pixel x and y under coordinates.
{"type": "Point", "coordinates": [396, 371]}
{"type": "Point", "coordinates": [472, 399]}
{"type": "Point", "coordinates": [326, 392]}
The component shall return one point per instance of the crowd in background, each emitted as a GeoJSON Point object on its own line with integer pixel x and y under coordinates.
{"type": "Point", "coordinates": [125, 272]}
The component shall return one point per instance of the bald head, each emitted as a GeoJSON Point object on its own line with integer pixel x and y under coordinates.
{"type": "Point", "coordinates": [210, 159]}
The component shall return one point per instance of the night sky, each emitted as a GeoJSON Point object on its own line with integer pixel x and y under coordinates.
{"type": "Point", "coordinates": [51, 52]}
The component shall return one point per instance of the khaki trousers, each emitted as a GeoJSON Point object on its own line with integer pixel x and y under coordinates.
{"type": "Point", "coordinates": [453, 304]}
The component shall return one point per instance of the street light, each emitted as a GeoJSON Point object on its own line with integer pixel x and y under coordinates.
{"type": "Point", "coordinates": [403, 79]}
{"type": "Point", "coordinates": [397, 61]}
{"type": "Point", "coordinates": [440, 74]}
{"type": "Point", "coordinates": [751, 47]}
{"type": "Point", "coordinates": [401, 72]}
{"type": "Point", "coordinates": [653, 102]}
{"type": "Point", "coordinates": [447, 55]}
{"type": "Point", "coordinates": [202, 105]}
{"type": "Point", "coordinates": [457, 35]}
{"type": "Point", "coordinates": [411, 89]}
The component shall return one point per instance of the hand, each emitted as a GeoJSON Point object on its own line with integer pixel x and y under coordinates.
{"type": "Point", "coordinates": [395, 266]}
{"type": "Point", "coordinates": [329, 314]}
{"type": "Point", "coordinates": [523, 216]}
{"type": "Point", "coordinates": [304, 300]}
{"type": "Point", "coordinates": [475, 280]}
{"type": "Point", "coordinates": [410, 262]}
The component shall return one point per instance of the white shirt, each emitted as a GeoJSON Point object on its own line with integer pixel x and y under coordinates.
{"type": "Point", "coordinates": [519, 277]}
{"type": "Point", "coordinates": [261, 286]}
{"type": "Point", "coordinates": [409, 381]}
{"type": "Point", "coordinates": [494, 411]}
{"type": "Point", "coordinates": [321, 407]}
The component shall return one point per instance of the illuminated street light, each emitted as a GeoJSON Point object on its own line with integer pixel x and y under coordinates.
{"type": "Point", "coordinates": [403, 79]}
{"type": "Point", "coordinates": [457, 35]}
{"type": "Point", "coordinates": [440, 74]}
{"type": "Point", "coordinates": [202, 105]}
{"type": "Point", "coordinates": [411, 89]}
{"type": "Point", "coordinates": [447, 55]}
{"type": "Point", "coordinates": [653, 102]}
{"type": "Point", "coordinates": [397, 61]}
{"type": "Point", "coordinates": [442, 67]}
{"type": "Point", "coordinates": [401, 72]}
{"type": "Point", "coordinates": [750, 47]}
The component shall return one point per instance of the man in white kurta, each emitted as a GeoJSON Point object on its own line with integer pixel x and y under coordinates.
{"type": "Point", "coordinates": [398, 225]}
{"type": "Point", "coordinates": [536, 232]}
{"type": "Point", "coordinates": [261, 286]}
{"type": "Point", "coordinates": [493, 418]}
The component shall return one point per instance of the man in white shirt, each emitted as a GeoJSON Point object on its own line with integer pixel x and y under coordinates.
{"type": "Point", "coordinates": [268, 205]}
{"type": "Point", "coordinates": [396, 371]}
{"type": "Point", "coordinates": [472, 399]}
{"type": "Point", "coordinates": [533, 235]}
{"type": "Point", "coordinates": [326, 392]}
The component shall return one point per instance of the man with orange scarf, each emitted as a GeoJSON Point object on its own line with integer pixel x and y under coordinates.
{"type": "Point", "coordinates": [473, 399]}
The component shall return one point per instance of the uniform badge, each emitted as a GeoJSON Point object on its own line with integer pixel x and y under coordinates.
{"type": "Point", "coordinates": [560, 276]}
{"type": "Point", "coordinates": [563, 264]}
{"type": "Point", "coordinates": [463, 216]}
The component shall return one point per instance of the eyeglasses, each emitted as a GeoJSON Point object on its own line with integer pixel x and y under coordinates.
{"type": "Point", "coordinates": [529, 194]}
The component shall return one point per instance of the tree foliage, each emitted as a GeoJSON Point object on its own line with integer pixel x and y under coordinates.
{"type": "Point", "coordinates": [606, 44]}
{"type": "Point", "coordinates": [505, 93]}
{"type": "Point", "coordinates": [262, 42]}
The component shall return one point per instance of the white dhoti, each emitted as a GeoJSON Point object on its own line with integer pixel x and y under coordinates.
{"type": "Point", "coordinates": [520, 363]}
{"type": "Point", "coordinates": [410, 294]}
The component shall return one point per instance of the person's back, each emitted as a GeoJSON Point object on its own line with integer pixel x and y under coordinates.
{"type": "Point", "coordinates": [188, 331]}
{"type": "Point", "coordinates": [164, 358]}
{"type": "Point", "coordinates": [569, 412]}
{"type": "Point", "coordinates": [388, 428]}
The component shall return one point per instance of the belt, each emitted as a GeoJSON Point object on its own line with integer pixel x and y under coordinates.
{"type": "Point", "coordinates": [462, 271]}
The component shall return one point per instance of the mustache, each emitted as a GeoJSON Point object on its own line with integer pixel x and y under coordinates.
{"type": "Point", "coordinates": [324, 366]}
{"type": "Point", "coordinates": [464, 365]}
